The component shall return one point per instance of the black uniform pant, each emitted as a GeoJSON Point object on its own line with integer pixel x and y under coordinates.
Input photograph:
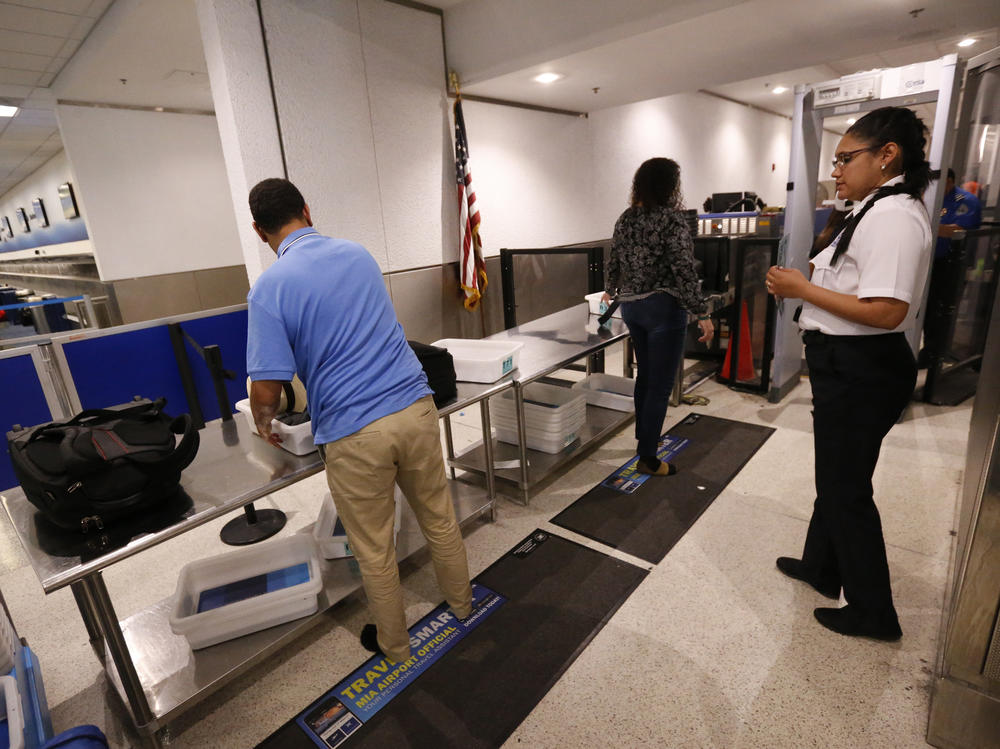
{"type": "Point", "coordinates": [860, 384]}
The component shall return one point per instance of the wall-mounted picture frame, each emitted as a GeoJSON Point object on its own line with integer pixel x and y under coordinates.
{"type": "Point", "coordinates": [38, 213]}
{"type": "Point", "coordinates": [68, 200]}
{"type": "Point", "coordinates": [7, 230]}
{"type": "Point", "coordinates": [22, 219]}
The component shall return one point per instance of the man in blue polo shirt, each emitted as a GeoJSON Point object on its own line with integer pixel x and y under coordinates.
{"type": "Point", "coordinates": [322, 310]}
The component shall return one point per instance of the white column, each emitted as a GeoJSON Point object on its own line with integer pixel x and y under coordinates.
{"type": "Point", "coordinates": [237, 69]}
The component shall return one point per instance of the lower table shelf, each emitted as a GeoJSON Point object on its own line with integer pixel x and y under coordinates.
{"type": "Point", "coordinates": [600, 423]}
{"type": "Point", "coordinates": [174, 677]}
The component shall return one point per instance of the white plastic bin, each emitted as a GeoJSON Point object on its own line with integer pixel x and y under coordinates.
{"type": "Point", "coordinates": [569, 420]}
{"type": "Point", "coordinates": [297, 440]}
{"type": "Point", "coordinates": [597, 307]}
{"type": "Point", "coordinates": [539, 440]}
{"type": "Point", "coordinates": [11, 704]}
{"type": "Point", "coordinates": [553, 416]}
{"type": "Point", "coordinates": [330, 537]}
{"type": "Point", "coordinates": [544, 405]}
{"type": "Point", "coordinates": [480, 360]}
{"type": "Point", "coordinates": [608, 391]}
{"type": "Point", "coordinates": [252, 578]}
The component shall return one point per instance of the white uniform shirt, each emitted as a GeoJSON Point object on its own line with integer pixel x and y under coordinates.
{"type": "Point", "coordinates": [889, 256]}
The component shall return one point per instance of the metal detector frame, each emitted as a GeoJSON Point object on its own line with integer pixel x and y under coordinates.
{"type": "Point", "coordinates": [803, 174]}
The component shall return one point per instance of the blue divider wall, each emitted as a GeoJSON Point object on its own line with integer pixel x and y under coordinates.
{"type": "Point", "coordinates": [110, 369]}
{"type": "Point", "coordinates": [23, 403]}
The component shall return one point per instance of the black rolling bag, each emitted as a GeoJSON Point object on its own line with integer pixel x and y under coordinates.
{"type": "Point", "coordinates": [440, 369]}
{"type": "Point", "coordinates": [103, 464]}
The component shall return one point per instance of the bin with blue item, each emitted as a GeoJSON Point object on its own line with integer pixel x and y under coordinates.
{"type": "Point", "coordinates": [25, 721]}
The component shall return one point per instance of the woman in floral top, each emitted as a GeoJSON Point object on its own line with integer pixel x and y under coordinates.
{"type": "Point", "coordinates": [652, 272]}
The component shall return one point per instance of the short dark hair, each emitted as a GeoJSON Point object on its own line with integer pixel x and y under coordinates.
{"type": "Point", "coordinates": [657, 184]}
{"type": "Point", "coordinates": [901, 126]}
{"type": "Point", "coordinates": [275, 202]}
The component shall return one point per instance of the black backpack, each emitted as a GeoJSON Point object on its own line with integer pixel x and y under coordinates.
{"type": "Point", "coordinates": [102, 464]}
{"type": "Point", "coordinates": [439, 366]}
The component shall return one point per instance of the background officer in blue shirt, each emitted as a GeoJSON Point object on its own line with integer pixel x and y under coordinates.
{"type": "Point", "coordinates": [960, 210]}
{"type": "Point", "coordinates": [322, 310]}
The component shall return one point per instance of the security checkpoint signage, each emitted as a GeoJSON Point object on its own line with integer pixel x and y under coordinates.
{"type": "Point", "coordinates": [355, 700]}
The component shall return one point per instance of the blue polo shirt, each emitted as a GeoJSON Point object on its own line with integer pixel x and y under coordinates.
{"type": "Point", "coordinates": [961, 208]}
{"type": "Point", "coordinates": [322, 310]}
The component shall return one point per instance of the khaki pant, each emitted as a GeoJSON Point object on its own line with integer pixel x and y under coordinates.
{"type": "Point", "coordinates": [361, 469]}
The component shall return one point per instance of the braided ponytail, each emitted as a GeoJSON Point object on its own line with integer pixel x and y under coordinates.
{"type": "Point", "coordinates": [901, 126]}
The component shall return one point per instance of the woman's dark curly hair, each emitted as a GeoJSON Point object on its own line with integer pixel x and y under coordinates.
{"type": "Point", "coordinates": [657, 184]}
{"type": "Point", "coordinates": [901, 126]}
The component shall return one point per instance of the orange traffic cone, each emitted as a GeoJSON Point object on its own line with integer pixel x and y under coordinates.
{"type": "Point", "coordinates": [745, 368]}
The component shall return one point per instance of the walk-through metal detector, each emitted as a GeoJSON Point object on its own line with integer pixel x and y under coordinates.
{"type": "Point", "coordinates": [932, 82]}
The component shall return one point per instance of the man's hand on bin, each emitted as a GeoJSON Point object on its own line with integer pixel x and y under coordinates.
{"type": "Point", "coordinates": [265, 398]}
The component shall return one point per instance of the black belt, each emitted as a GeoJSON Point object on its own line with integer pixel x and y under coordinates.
{"type": "Point", "coordinates": [815, 336]}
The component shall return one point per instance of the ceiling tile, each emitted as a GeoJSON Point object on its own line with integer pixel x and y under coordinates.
{"type": "Point", "coordinates": [97, 7]}
{"type": "Point", "coordinates": [35, 44]}
{"type": "Point", "coordinates": [46, 79]}
{"type": "Point", "coordinates": [19, 77]}
{"type": "Point", "coordinates": [23, 61]}
{"type": "Point", "coordinates": [77, 7]}
{"type": "Point", "coordinates": [35, 117]}
{"type": "Point", "coordinates": [69, 46]}
{"type": "Point", "coordinates": [56, 64]}
{"type": "Point", "coordinates": [27, 131]}
{"type": "Point", "coordinates": [81, 28]}
{"type": "Point", "coordinates": [20, 18]}
{"type": "Point", "coordinates": [895, 58]}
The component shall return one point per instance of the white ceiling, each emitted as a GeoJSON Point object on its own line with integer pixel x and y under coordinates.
{"type": "Point", "coordinates": [740, 49]}
{"type": "Point", "coordinates": [37, 39]}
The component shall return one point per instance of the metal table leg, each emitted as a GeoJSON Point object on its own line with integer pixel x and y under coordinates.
{"type": "Point", "coordinates": [678, 389]}
{"type": "Point", "coordinates": [522, 444]}
{"type": "Point", "coordinates": [491, 484]}
{"type": "Point", "coordinates": [86, 605]}
{"type": "Point", "coordinates": [108, 620]}
{"type": "Point", "coordinates": [449, 442]}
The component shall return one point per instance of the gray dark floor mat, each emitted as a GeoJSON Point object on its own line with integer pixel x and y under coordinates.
{"type": "Point", "coordinates": [648, 522]}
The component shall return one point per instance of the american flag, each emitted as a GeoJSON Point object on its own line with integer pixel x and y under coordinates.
{"type": "Point", "coordinates": [473, 265]}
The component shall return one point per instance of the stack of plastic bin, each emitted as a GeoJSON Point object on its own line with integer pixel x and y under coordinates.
{"type": "Point", "coordinates": [553, 417]}
{"type": "Point", "coordinates": [28, 720]}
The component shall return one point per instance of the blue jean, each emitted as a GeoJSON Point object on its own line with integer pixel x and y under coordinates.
{"type": "Point", "coordinates": [657, 325]}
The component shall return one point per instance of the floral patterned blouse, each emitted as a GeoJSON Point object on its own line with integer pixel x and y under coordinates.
{"type": "Point", "coordinates": [652, 251]}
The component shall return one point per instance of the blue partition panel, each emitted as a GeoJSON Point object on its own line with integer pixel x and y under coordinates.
{"type": "Point", "coordinates": [24, 404]}
{"type": "Point", "coordinates": [110, 369]}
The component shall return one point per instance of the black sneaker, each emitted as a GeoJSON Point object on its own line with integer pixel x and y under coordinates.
{"type": "Point", "coordinates": [369, 639]}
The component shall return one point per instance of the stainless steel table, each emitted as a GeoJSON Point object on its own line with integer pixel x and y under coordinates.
{"type": "Point", "coordinates": [550, 343]}
{"type": "Point", "coordinates": [156, 673]}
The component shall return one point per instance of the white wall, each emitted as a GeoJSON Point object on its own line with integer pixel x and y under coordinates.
{"type": "Point", "coordinates": [154, 189]}
{"type": "Point", "coordinates": [720, 146]}
{"type": "Point", "coordinates": [62, 235]}
{"type": "Point", "coordinates": [533, 176]}
{"type": "Point", "coordinates": [367, 136]}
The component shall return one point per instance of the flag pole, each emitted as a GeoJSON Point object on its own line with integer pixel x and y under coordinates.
{"type": "Point", "coordinates": [453, 82]}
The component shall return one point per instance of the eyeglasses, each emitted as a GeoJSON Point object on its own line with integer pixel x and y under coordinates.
{"type": "Point", "coordinates": [842, 159]}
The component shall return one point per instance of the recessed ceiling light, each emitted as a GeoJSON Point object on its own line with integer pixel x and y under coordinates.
{"type": "Point", "coordinates": [6, 111]}
{"type": "Point", "coordinates": [547, 77]}
{"type": "Point", "coordinates": [967, 42]}
{"type": "Point", "coordinates": [779, 90]}
{"type": "Point", "coordinates": [851, 120]}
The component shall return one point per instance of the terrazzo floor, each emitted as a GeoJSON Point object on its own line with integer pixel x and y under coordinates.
{"type": "Point", "coordinates": [714, 649]}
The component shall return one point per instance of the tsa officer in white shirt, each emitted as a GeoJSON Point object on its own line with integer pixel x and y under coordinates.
{"type": "Point", "coordinates": [862, 296]}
